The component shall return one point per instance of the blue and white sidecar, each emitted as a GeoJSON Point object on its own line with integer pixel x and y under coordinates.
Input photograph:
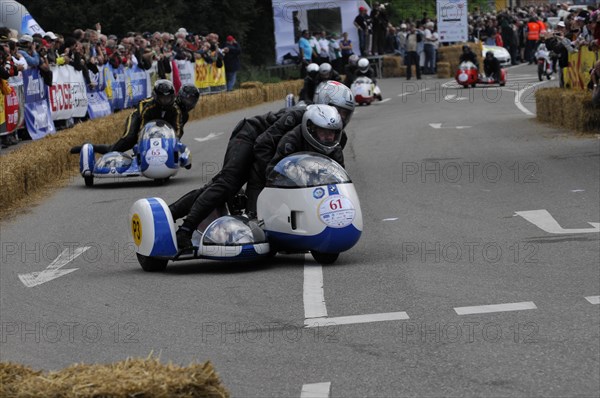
{"type": "Point", "coordinates": [158, 155]}
{"type": "Point", "coordinates": [309, 204]}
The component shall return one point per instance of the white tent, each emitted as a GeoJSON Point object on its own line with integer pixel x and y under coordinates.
{"type": "Point", "coordinates": [291, 17]}
{"type": "Point", "coordinates": [14, 16]}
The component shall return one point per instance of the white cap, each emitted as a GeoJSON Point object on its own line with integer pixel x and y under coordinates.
{"type": "Point", "coordinates": [403, 26]}
{"type": "Point", "coordinates": [561, 24]}
{"type": "Point", "coordinates": [26, 38]}
{"type": "Point", "coordinates": [51, 35]}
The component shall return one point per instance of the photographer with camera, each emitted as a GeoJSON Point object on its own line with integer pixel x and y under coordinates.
{"type": "Point", "coordinates": [28, 49]}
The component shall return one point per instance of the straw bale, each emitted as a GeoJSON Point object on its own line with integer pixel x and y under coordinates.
{"type": "Point", "coordinates": [451, 54]}
{"type": "Point", "coordinates": [393, 71]}
{"type": "Point", "coordinates": [128, 378]}
{"type": "Point", "coordinates": [392, 61]}
{"type": "Point", "coordinates": [570, 109]}
{"type": "Point", "coordinates": [251, 85]}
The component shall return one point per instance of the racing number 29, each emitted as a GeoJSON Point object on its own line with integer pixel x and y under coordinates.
{"type": "Point", "coordinates": [136, 229]}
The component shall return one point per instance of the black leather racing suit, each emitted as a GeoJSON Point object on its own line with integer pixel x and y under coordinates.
{"type": "Point", "coordinates": [146, 111]}
{"type": "Point", "coordinates": [196, 205]}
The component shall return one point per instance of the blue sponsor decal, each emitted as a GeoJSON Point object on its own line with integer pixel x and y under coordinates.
{"type": "Point", "coordinates": [332, 189]}
{"type": "Point", "coordinates": [318, 193]}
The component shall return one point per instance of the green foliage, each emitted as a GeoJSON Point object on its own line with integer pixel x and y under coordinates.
{"type": "Point", "coordinates": [250, 21]}
{"type": "Point", "coordinates": [401, 10]}
{"type": "Point", "coordinates": [262, 74]}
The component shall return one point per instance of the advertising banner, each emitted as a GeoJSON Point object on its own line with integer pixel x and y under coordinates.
{"type": "Point", "coordinates": [452, 18]}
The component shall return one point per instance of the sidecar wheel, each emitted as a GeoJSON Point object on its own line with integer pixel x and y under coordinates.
{"type": "Point", "coordinates": [324, 258]}
{"type": "Point", "coordinates": [150, 264]}
{"type": "Point", "coordinates": [89, 181]}
{"type": "Point", "coordinates": [161, 181]}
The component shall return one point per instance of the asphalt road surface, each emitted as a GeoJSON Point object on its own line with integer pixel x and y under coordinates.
{"type": "Point", "coordinates": [477, 273]}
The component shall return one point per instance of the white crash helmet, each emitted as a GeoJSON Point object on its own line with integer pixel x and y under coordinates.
{"type": "Point", "coordinates": [325, 70]}
{"type": "Point", "coordinates": [336, 94]}
{"type": "Point", "coordinates": [312, 69]}
{"type": "Point", "coordinates": [363, 65]}
{"type": "Point", "coordinates": [320, 118]}
{"type": "Point", "coordinates": [353, 59]}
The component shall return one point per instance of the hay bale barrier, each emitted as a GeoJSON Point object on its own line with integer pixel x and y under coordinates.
{"type": "Point", "coordinates": [569, 109]}
{"type": "Point", "coordinates": [129, 378]}
{"type": "Point", "coordinates": [47, 163]}
{"type": "Point", "coordinates": [443, 70]}
{"type": "Point", "coordinates": [451, 54]}
{"type": "Point", "coordinates": [392, 65]}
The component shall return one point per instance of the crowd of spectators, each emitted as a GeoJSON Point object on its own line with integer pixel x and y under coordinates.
{"type": "Point", "coordinates": [519, 30]}
{"type": "Point", "coordinates": [87, 49]}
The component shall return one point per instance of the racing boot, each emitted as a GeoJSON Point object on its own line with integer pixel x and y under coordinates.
{"type": "Point", "coordinates": [184, 238]}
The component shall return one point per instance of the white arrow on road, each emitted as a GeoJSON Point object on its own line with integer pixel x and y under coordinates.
{"type": "Point", "coordinates": [544, 220]}
{"type": "Point", "coordinates": [209, 137]}
{"type": "Point", "coordinates": [439, 126]}
{"type": "Point", "coordinates": [54, 269]}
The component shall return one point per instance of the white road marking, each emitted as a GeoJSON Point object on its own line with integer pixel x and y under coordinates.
{"type": "Point", "coordinates": [390, 219]}
{"type": "Point", "coordinates": [353, 319]}
{"type": "Point", "coordinates": [453, 97]}
{"type": "Point", "coordinates": [577, 190]}
{"type": "Point", "coordinates": [544, 220]}
{"type": "Point", "coordinates": [439, 126]}
{"type": "Point", "coordinates": [482, 309]}
{"type": "Point", "coordinates": [53, 271]}
{"type": "Point", "coordinates": [593, 299]}
{"type": "Point", "coordinates": [410, 92]}
{"type": "Point", "coordinates": [209, 137]}
{"type": "Point", "coordinates": [315, 390]}
{"type": "Point", "coordinates": [382, 101]}
{"type": "Point", "coordinates": [314, 297]}
{"type": "Point", "coordinates": [518, 99]}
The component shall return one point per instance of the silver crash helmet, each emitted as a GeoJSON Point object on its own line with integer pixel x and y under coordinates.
{"type": "Point", "coordinates": [322, 128]}
{"type": "Point", "coordinates": [336, 94]}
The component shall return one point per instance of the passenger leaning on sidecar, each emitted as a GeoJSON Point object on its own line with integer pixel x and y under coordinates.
{"type": "Point", "coordinates": [162, 105]}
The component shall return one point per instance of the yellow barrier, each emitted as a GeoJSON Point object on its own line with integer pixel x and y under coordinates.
{"type": "Point", "coordinates": [577, 74]}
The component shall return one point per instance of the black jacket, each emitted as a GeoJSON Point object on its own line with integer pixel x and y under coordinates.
{"type": "Point", "coordinates": [232, 58]}
{"type": "Point", "coordinates": [294, 142]}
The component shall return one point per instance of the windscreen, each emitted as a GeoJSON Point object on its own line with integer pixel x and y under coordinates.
{"type": "Point", "coordinates": [306, 169]}
{"type": "Point", "coordinates": [157, 129]}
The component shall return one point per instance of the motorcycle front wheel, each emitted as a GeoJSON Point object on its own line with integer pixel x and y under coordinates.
{"type": "Point", "coordinates": [324, 258]}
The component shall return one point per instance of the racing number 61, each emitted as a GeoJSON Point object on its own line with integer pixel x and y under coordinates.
{"type": "Point", "coordinates": [136, 229]}
{"type": "Point", "coordinates": [335, 204]}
